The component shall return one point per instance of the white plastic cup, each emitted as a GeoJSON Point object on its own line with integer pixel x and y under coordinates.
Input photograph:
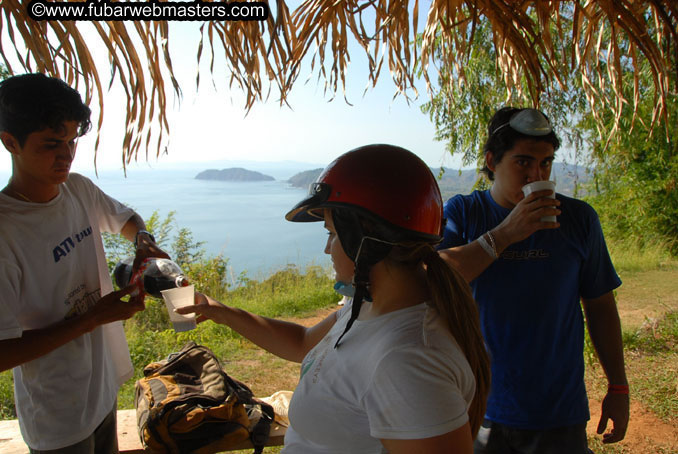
{"type": "Point", "coordinates": [542, 186]}
{"type": "Point", "coordinates": [180, 297]}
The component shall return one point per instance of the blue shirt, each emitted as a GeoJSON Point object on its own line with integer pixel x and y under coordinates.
{"type": "Point", "coordinates": [530, 312]}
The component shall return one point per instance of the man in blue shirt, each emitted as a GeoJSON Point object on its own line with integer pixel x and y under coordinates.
{"type": "Point", "coordinates": [528, 277]}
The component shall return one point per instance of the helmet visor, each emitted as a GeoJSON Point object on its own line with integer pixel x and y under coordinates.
{"type": "Point", "coordinates": [310, 209]}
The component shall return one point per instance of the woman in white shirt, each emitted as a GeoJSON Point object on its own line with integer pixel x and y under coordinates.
{"type": "Point", "coordinates": [402, 367]}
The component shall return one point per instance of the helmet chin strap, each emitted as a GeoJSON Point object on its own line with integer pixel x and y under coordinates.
{"type": "Point", "coordinates": [370, 252]}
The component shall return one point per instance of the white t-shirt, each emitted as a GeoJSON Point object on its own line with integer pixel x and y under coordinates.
{"type": "Point", "coordinates": [398, 376]}
{"type": "Point", "coordinates": [52, 266]}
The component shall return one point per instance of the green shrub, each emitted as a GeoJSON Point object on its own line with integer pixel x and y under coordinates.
{"type": "Point", "coordinates": [286, 293]}
{"type": "Point", "coordinates": [7, 409]}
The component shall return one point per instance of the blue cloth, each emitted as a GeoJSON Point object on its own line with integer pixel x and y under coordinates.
{"type": "Point", "coordinates": [530, 312]}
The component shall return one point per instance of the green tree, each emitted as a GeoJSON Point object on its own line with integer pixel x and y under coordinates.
{"type": "Point", "coordinates": [462, 106]}
{"type": "Point", "coordinates": [636, 180]}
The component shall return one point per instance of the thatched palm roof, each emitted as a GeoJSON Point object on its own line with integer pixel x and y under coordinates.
{"type": "Point", "coordinates": [538, 44]}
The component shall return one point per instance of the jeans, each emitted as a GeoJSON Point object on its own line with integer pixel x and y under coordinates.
{"type": "Point", "coordinates": [495, 438]}
{"type": "Point", "coordinates": [104, 439]}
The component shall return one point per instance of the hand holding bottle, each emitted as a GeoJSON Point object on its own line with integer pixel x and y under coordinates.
{"type": "Point", "coordinates": [152, 276]}
{"type": "Point", "coordinates": [146, 248]}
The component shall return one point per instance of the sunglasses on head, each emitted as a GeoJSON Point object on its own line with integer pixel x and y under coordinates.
{"type": "Point", "coordinates": [529, 121]}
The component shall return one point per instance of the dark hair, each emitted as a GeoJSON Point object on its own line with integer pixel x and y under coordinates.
{"type": "Point", "coordinates": [502, 138]}
{"type": "Point", "coordinates": [34, 102]}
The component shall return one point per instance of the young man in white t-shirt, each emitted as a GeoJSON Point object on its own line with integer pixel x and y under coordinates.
{"type": "Point", "coordinates": [60, 320]}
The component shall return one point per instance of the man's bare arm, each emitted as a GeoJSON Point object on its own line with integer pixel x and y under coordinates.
{"type": "Point", "coordinates": [38, 342]}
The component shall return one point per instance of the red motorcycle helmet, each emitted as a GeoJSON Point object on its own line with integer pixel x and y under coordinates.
{"type": "Point", "coordinates": [384, 182]}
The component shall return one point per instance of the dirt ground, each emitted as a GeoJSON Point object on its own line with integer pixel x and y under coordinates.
{"type": "Point", "coordinates": [642, 299]}
{"type": "Point", "coordinates": [646, 433]}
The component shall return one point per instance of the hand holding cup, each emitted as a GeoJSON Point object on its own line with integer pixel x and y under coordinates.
{"type": "Point", "coordinates": [176, 298]}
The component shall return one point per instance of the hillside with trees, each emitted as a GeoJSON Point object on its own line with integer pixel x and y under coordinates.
{"type": "Point", "coordinates": [569, 179]}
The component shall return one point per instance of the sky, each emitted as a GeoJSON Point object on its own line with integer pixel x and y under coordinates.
{"type": "Point", "coordinates": [210, 125]}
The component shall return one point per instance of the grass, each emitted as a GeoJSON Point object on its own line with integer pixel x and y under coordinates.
{"type": "Point", "coordinates": [630, 255]}
{"type": "Point", "coordinates": [651, 356]}
{"type": "Point", "coordinates": [598, 447]}
{"type": "Point", "coordinates": [652, 368]}
{"type": "Point", "coordinates": [648, 306]}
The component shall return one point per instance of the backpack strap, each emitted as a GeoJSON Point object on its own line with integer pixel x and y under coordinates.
{"type": "Point", "coordinates": [262, 429]}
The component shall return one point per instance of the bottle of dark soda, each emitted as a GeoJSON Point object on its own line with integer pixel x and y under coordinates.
{"type": "Point", "coordinates": [155, 274]}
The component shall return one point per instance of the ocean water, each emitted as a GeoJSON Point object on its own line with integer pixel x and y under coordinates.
{"type": "Point", "coordinates": [243, 221]}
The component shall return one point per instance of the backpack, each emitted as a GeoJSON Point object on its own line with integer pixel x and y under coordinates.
{"type": "Point", "coordinates": [188, 404]}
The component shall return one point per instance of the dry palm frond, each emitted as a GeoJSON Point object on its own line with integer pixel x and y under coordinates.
{"type": "Point", "coordinates": [59, 48]}
{"type": "Point", "coordinates": [600, 39]}
{"type": "Point", "coordinates": [255, 52]}
{"type": "Point", "coordinates": [603, 37]}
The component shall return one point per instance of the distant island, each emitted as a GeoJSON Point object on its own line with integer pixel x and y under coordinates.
{"type": "Point", "coordinates": [453, 182]}
{"type": "Point", "coordinates": [304, 179]}
{"type": "Point", "coordinates": [233, 174]}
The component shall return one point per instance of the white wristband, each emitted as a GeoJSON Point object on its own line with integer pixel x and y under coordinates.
{"type": "Point", "coordinates": [485, 245]}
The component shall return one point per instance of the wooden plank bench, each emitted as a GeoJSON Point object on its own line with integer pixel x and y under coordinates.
{"type": "Point", "coordinates": [128, 437]}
